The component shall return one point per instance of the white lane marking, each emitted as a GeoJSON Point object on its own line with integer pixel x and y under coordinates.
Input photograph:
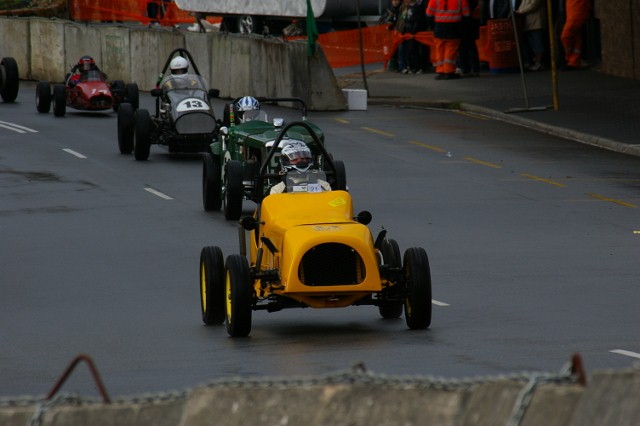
{"type": "Point", "coordinates": [438, 303]}
{"type": "Point", "coordinates": [16, 127]}
{"type": "Point", "coordinates": [72, 152]}
{"type": "Point", "coordinates": [158, 193]}
{"type": "Point", "coordinates": [626, 353]}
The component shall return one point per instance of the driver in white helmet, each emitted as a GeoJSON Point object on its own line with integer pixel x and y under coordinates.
{"type": "Point", "coordinates": [296, 161]}
{"type": "Point", "coordinates": [180, 78]}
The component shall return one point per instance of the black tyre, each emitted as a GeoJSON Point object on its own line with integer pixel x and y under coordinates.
{"type": "Point", "coordinates": [391, 256]}
{"type": "Point", "coordinates": [126, 128]}
{"type": "Point", "coordinates": [339, 180]}
{"type": "Point", "coordinates": [142, 135]}
{"type": "Point", "coordinates": [212, 286]}
{"type": "Point", "coordinates": [211, 182]}
{"type": "Point", "coordinates": [233, 190]}
{"type": "Point", "coordinates": [59, 100]}
{"type": "Point", "coordinates": [239, 296]}
{"type": "Point", "coordinates": [43, 96]}
{"type": "Point", "coordinates": [9, 79]}
{"type": "Point", "coordinates": [417, 277]}
{"type": "Point", "coordinates": [133, 95]}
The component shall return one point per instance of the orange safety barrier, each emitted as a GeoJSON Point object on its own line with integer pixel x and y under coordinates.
{"type": "Point", "coordinates": [342, 48]}
{"type": "Point", "coordinates": [168, 13]}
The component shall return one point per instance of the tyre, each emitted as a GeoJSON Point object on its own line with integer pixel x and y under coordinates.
{"type": "Point", "coordinates": [211, 182]}
{"type": "Point", "coordinates": [391, 256]}
{"type": "Point", "coordinates": [59, 100]}
{"type": "Point", "coordinates": [9, 79]}
{"type": "Point", "coordinates": [339, 180]}
{"type": "Point", "coordinates": [417, 277]}
{"type": "Point", "coordinates": [142, 135]}
{"type": "Point", "coordinates": [126, 127]}
{"type": "Point", "coordinates": [212, 286]}
{"type": "Point", "coordinates": [233, 190]}
{"type": "Point", "coordinates": [132, 95]}
{"type": "Point", "coordinates": [239, 296]}
{"type": "Point", "coordinates": [43, 96]}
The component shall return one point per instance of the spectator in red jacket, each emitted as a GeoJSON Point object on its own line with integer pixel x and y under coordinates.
{"type": "Point", "coordinates": [447, 33]}
{"type": "Point", "coordinates": [578, 11]}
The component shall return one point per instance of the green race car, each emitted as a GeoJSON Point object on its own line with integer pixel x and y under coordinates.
{"type": "Point", "coordinates": [231, 168]}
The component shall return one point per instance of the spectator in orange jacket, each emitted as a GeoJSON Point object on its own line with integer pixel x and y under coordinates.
{"type": "Point", "coordinates": [577, 11]}
{"type": "Point", "coordinates": [447, 33]}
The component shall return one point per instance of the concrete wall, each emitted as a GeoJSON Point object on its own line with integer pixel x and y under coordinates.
{"type": "Point", "coordinates": [361, 399]}
{"type": "Point", "coordinates": [237, 65]}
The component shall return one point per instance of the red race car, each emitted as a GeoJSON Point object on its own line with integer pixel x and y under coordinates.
{"type": "Point", "coordinates": [91, 92]}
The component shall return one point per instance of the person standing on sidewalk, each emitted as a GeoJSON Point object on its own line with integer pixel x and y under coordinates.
{"type": "Point", "coordinates": [577, 11]}
{"type": "Point", "coordinates": [468, 57]}
{"type": "Point", "coordinates": [535, 23]}
{"type": "Point", "coordinates": [447, 32]}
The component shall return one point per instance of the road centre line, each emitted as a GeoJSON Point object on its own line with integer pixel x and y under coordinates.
{"type": "Point", "coordinates": [541, 179]}
{"type": "Point", "coordinates": [157, 193]}
{"type": "Point", "coordinates": [626, 353]}
{"type": "Point", "coordinates": [74, 153]}
{"type": "Point", "coordinates": [342, 120]}
{"type": "Point", "coordinates": [483, 163]}
{"type": "Point", "coordinates": [438, 303]}
{"type": "Point", "coordinates": [431, 147]}
{"type": "Point", "coordinates": [380, 132]}
{"type": "Point", "coordinates": [612, 200]}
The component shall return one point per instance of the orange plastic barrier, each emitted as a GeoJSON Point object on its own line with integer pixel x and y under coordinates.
{"type": "Point", "coordinates": [168, 13]}
{"type": "Point", "coordinates": [342, 48]}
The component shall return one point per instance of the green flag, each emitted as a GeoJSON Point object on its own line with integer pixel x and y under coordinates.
{"type": "Point", "coordinates": [312, 30]}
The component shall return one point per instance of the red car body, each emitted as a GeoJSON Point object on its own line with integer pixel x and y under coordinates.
{"type": "Point", "coordinates": [90, 91]}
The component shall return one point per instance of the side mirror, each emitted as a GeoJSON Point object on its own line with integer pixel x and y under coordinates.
{"type": "Point", "coordinates": [364, 217]}
{"type": "Point", "coordinates": [249, 223]}
{"type": "Point", "coordinates": [156, 92]}
{"type": "Point", "coordinates": [214, 93]}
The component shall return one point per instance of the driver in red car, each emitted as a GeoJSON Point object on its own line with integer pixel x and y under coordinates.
{"type": "Point", "coordinates": [81, 69]}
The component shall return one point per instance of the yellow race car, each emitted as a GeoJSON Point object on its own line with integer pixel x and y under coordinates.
{"type": "Point", "coordinates": [307, 249]}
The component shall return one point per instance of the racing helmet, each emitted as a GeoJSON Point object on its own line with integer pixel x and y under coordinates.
{"type": "Point", "coordinates": [86, 63]}
{"type": "Point", "coordinates": [296, 155]}
{"type": "Point", "coordinates": [179, 66]}
{"type": "Point", "coordinates": [248, 108]}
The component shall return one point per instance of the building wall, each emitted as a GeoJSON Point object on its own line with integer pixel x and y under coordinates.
{"type": "Point", "coordinates": [619, 37]}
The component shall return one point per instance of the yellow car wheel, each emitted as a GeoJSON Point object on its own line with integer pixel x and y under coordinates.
{"type": "Point", "coordinates": [212, 304]}
{"type": "Point", "coordinates": [391, 257]}
{"type": "Point", "coordinates": [417, 277]}
{"type": "Point", "coordinates": [239, 296]}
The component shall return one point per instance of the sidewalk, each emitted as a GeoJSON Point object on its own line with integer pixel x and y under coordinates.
{"type": "Point", "coordinates": [592, 108]}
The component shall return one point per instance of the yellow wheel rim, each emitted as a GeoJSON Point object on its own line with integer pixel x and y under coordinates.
{"type": "Point", "coordinates": [203, 287]}
{"type": "Point", "coordinates": [227, 286]}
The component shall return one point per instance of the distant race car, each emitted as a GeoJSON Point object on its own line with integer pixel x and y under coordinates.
{"type": "Point", "coordinates": [93, 92]}
{"type": "Point", "coordinates": [183, 121]}
{"type": "Point", "coordinates": [307, 249]}
{"type": "Point", "coordinates": [230, 168]}
{"type": "Point", "coordinates": [9, 79]}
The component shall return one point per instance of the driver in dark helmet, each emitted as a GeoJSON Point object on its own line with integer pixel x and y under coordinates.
{"type": "Point", "coordinates": [85, 64]}
{"type": "Point", "coordinates": [296, 161]}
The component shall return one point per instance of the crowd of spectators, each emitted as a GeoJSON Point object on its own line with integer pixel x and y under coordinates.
{"type": "Point", "coordinates": [455, 39]}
